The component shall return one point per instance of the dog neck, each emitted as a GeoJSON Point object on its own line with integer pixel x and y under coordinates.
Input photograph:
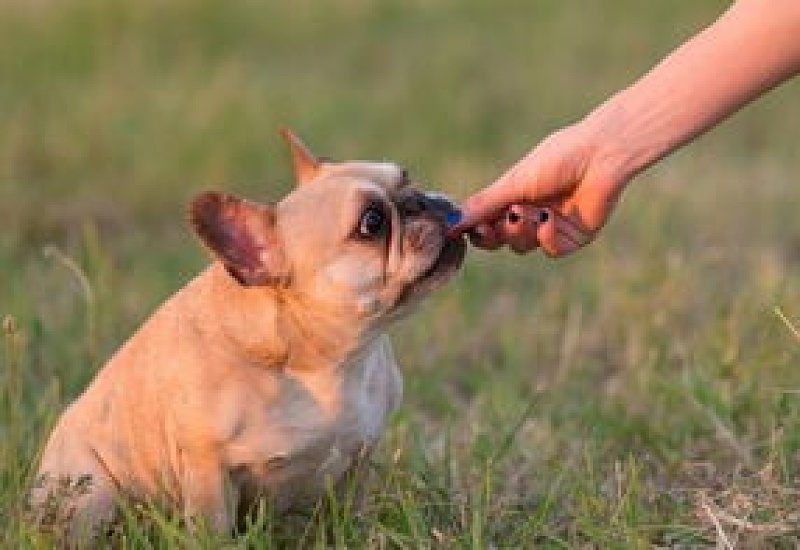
{"type": "Point", "coordinates": [275, 328]}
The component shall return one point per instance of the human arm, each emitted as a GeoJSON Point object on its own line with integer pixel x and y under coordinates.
{"type": "Point", "coordinates": [579, 172]}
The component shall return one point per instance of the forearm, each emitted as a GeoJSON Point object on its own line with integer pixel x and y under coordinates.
{"type": "Point", "coordinates": [753, 47]}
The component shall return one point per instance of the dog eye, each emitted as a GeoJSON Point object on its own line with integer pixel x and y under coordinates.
{"type": "Point", "coordinates": [373, 223]}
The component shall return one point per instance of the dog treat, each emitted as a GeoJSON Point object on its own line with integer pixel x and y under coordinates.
{"type": "Point", "coordinates": [542, 216]}
{"type": "Point", "coordinates": [454, 216]}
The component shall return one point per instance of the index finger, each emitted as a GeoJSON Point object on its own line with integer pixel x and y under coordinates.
{"type": "Point", "coordinates": [487, 205]}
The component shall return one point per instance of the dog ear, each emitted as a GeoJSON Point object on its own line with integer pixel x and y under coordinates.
{"type": "Point", "coordinates": [306, 164]}
{"type": "Point", "coordinates": [242, 235]}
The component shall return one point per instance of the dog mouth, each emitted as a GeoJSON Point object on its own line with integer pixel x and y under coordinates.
{"type": "Point", "coordinates": [450, 258]}
{"type": "Point", "coordinates": [443, 263]}
{"type": "Point", "coordinates": [446, 264]}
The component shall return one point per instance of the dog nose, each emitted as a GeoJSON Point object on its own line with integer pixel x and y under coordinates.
{"type": "Point", "coordinates": [438, 203]}
{"type": "Point", "coordinates": [444, 207]}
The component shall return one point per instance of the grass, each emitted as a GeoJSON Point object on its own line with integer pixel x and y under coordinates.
{"type": "Point", "coordinates": [642, 393]}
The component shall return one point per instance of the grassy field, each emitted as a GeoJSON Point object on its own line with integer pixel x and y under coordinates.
{"type": "Point", "coordinates": [645, 392]}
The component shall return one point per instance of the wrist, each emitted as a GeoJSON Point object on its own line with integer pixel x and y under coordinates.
{"type": "Point", "coordinates": [609, 155]}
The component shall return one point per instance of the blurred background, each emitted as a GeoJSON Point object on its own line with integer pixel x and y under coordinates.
{"type": "Point", "coordinates": [666, 344]}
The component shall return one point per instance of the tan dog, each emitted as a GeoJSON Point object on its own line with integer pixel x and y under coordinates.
{"type": "Point", "coordinates": [269, 373]}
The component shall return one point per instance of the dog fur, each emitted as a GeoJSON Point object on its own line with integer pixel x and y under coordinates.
{"type": "Point", "coordinates": [269, 374]}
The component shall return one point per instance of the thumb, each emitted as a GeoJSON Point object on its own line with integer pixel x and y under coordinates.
{"type": "Point", "coordinates": [488, 204]}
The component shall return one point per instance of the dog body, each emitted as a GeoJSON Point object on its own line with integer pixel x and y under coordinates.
{"type": "Point", "coordinates": [268, 375]}
{"type": "Point", "coordinates": [168, 418]}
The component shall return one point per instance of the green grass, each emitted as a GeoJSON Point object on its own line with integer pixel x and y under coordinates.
{"type": "Point", "coordinates": [643, 392]}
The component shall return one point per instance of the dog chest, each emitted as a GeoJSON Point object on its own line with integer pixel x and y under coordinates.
{"type": "Point", "coordinates": [319, 424]}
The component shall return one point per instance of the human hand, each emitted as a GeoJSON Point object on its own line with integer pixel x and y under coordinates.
{"type": "Point", "coordinates": [557, 197]}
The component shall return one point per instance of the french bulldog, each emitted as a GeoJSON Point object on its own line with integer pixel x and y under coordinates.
{"type": "Point", "coordinates": [270, 373]}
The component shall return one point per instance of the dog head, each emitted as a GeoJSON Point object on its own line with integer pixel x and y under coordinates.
{"type": "Point", "coordinates": [356, 237]}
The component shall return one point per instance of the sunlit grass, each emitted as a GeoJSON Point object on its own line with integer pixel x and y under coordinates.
{"type": "Point", "coordinates": [643, 392]}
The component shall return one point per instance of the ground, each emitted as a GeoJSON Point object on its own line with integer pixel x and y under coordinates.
{"type": "Point", "coordinates": [644, 392]}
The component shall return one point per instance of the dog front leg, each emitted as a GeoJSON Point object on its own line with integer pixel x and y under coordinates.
{"type": "Point", "coordinates": [208, 494]}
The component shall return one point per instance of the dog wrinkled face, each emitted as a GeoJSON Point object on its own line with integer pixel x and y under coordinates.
{"type": "Point", "coordinates": [355, 236]}
{"type": "Point", "coordinates": [375, 241]}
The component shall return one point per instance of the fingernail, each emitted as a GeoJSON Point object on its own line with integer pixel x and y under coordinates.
{"type": "Point", "coordinates": [542, 216]}
{"type": "Point", "coordinates": [454, 217]}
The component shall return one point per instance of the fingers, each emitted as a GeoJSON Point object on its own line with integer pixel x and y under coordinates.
{"type": "Point", "coordinates": [517, 229]}
{"type": "Point", "coordinates": [525, 228]}
{"type": "Point", "coordinates": [557, 177]}
{"type": "Point", "coordinates": [564, 235]}
{"type": "Point", "coordinates": [486, 236]}
{"type": "Point", "coordinates": [549, 172]}
{"type": "Point", "coordinates": [488, 205]}
{"type": "Point", "coordinates": [520, 226]}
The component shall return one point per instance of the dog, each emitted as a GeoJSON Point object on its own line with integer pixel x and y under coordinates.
{"type": "Point", "coordinates": [270, 373]}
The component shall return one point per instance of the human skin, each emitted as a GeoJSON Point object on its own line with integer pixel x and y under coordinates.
{"type": "Point", "coordinates": [562, 192]}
